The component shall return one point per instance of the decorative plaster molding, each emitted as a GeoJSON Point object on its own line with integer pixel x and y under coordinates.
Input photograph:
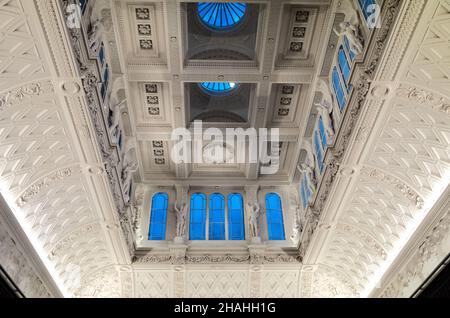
{"type": "Point", "coordinates": [363, 236]}
{"type": "Point", "coordinates": [400, 186]}
{"type": "Point", "coordinates": [26, 92]}
{"type": "Point", "coordinates": [423, 97]}
{"type": "Point", "coordinates": [217, 259]}
{"type": "Point", "coordinates": [47, 182]}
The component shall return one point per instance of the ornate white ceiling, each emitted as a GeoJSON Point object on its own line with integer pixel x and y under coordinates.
{"type": "Point", "coordinates": [52, 175]}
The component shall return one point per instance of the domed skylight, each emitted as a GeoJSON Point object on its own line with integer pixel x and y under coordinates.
{"type": "Point", "coordinates": [218, 87]}
{"type": "Point", "coordinates": [221, 16]}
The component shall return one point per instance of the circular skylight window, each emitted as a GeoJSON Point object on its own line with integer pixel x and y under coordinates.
{"type": "Point", "coordinates": [221, 16]}
{"type": "Point", "coordinates": [218, 87]}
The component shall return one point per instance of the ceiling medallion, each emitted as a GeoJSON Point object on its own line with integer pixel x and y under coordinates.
{"type": "Point", "coordinates": [218, 153]}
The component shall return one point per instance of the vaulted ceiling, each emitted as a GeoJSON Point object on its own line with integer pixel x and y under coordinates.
{"type": "Point", "coordinates": [394, 172]}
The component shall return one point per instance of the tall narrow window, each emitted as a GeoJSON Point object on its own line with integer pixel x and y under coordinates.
{"type": "Point", "coordinates": [338, 90]}
{"type": "Point", "coordinates": [197, 224]}
{"type": "Point", "coordinates": [158, 217]}
{"type": "Point", "coordinates": [323, 136]}
{"type": "Point", "coordinates": [236, 229]}
{"type": "Point", "coordinates": [347, 47]}
{"type": "Point", "coordinates": [274, 213]}
{"type": "Point", "coordinates": [318, 149]}
{"type": "Point", "coordinates": [344, 65]}
{"type": "Point", "coordinates": [216, 217]}
{"type": "Point", "coordinates": [101, 54]}
{"type": "Point", "coordinates": [105, 82]}
{"type": "Point", "coordinates": [303, 194]}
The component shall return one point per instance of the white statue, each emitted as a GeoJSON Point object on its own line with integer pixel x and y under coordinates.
{"type": "Point", "coordinates": [325, 113]}
{"type": "Point", "coordinates": [351, 31]}
{"type": "Point", "coordinates": [310, 159]}
{"type": "Point", "coordinates": [116, 106]}
{"type": "Point", "coordinates": [327, 97]}
{"type": "Point", "coordinates": [253, 209]}
{"type": "Point", "coordinates": [95, 34]}
{"type": "Point", "coordinates": [129, 166]}
{"type": "Point", "coordinates": [181, 210]}
{"type": "Point", "coordinates": [127, 177]}
{"type": "Point", "coordinates": [310, 177]}
{"type": "Point", "coordinates": [347, 8]}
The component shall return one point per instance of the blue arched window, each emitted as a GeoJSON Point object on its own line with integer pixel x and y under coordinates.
{"type": "Point", "coordinates": [338, 90]}
{"type": "Point", "coordinates": [105, 82]}
{"type": "Point", "coordinates": [101, 54]}
{"type": "Point", "coordinates": [305, 192]}
{"type": "Point", "coordinates": [318, 149]}
{"type": "Point", "coordinates": [197, 217]}
{"type": "Point", "coordinates": [344, 66]}
{"type": "Point", "coordinates": [323, 136]}
{"type": "Point", "coordinates": [236, 228]}
{"type": "Point", "coordinates": [347, 47]}
{"type": "Point", "coordinates": [274, 213]}
{"type": "Point", "coordinates": [218, 87]}
{"type": "Point", "coordinates": [216, 217]}
{"type": "Point", "coordinates": [158, 217]}
{"type": "Point", "coordinates": [221, 16]}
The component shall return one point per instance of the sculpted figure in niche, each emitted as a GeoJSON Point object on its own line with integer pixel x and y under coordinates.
{"type": "Point", "coordinates": [116, 106]}
{"type": "Point", "coordinates": [181, 211]}
{"type": "Point", "coordinates": [128, 168]}
{"type": "Point", "coordinates": [310, 177]}
{"type": "Point", "coordinates": [254, 210]}
{"type": "Point", "coordinates": [351, 31]}
{"type": "Point", "coordinates": [310, 165]}
{"type": "Point", "coordinates": [327, 99]}
{"type": "Point", "coordinates": [94, 35]}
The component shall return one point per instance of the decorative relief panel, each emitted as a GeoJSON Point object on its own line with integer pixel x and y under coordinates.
{"type": "Point", "coordinates": [143, 20]}
{"type": "Point", "coordinates": [286, 102]}
{"type": "Point", "coordinates": [20, 60]}
{"type": "Point", "coordinates": [300, 31]}
{"type": "Point", "coordinates": [154, 284]}
{"type": "Point", "coordinates": [282, 284]}
{"type": "Point", "coordinates": [225, 284]}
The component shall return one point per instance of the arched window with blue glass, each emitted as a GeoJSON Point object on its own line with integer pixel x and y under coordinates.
{"type": "Point", "coordinates": [344, 65]}
{"type": "Point", "coordinates": [105, 82]}
{"type": "Point", "coordinates": [218, 88]}
{"type": "Point", "coordinates": [158, 217]}
{"type": "Point", "coordinates": [197, 222]}
{"type": "Point", "coordinates": [236, 227]}
{"type": "Point", "coordinates": [323, 136]}
{"type": "Point", "coordinates": [274, 216]}
{"type": "Point", "coordinates": [338, 90]}
{"type": "Point", "coordinates": [221, 16]}
{"type": "Point", "coordinates": [305, 191]}
{"type": "Point", "coordinates": [318, 150]}
{"type": "Point", "coordinates": [216, 217]}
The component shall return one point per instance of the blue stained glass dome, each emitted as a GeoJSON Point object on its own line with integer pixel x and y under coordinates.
{"type": "Point", "coordinates": [218, 87]}
{"type": "Point", "coordinates": [221, 16]}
